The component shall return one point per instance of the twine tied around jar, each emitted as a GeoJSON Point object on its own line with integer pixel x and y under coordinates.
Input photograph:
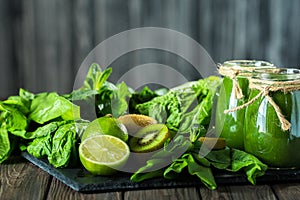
{"type": "Point", "coordinates": [232, 73]}
{"type": "Point", "coordinates": [265, 87]}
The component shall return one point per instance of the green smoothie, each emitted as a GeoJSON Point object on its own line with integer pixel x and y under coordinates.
{"type": "Point", "coordinates": [231, 125]}
{"type": "Point", "coordinates": [264, 136]}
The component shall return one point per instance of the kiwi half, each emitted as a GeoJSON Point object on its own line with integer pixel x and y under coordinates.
{"type": "Point", "coordinates": [149, 138]}
{"type": "Point", "coordinates": [135, 122]}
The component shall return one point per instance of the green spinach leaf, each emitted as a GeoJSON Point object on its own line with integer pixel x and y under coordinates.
{"type": "Point", "coordinates": [43, 130]}
{"type": "Point", "coordinates": [249, 163]}
{"type": "Point", "coordinates": [49, 106]}
{"type": "Point", "coordinates": [41, 146]}
{"type": "Point", "coordinates": [12, 119]}
{"type": "Point", "coordinates": [195, 164]}
{"type": "Point", "coordinates": [4, 144]}
{"type": "Point", "coordinates": [63, 143]}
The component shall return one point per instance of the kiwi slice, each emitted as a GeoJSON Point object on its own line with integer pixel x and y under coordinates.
{"type": "Point", "coordinates": [213, 143]}
{"type": "Point", "coordinates": [149, 138]}
{"type": "Point", "coordinates": [135, 122]}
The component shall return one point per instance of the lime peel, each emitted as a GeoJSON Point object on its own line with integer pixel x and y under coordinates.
{"type": "Point", "coordinates": [105, 162]}
{"type": "Point", "coordinates": [106, 126]}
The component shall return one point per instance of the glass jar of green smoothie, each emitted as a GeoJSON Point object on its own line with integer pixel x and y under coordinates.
{"type": "Point", "coordinates": [272, 117]}
{"type": "Point", "coordinates": [234, 92]}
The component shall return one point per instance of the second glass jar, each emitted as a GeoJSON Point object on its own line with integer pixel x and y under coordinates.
{"type": "Point", "coordinates": [265, 136]}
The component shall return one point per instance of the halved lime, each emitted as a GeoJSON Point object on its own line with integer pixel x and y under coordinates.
{"type": "Point", "coordinates": [103, 154]}
{"type": "Point", "coordinates": [106, 126]}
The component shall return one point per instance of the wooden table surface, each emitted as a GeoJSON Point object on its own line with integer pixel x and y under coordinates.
{"type": "Point", "coordinates": [20, 179]}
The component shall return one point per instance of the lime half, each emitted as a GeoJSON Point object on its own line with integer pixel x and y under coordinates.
{"type": "Point", "coordinates": [103, 154]}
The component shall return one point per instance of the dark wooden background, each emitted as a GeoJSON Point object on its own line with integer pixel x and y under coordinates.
{"type": "Point", "coordinates": [43, 42]}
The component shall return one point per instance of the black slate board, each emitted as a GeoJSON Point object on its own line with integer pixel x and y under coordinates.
{"type": "Point", "coordinates": [80, 180]}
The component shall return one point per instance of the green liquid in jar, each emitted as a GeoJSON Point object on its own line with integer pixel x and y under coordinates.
{"type": "Point", "coordinates": [264, 137]}
{"type": "Point", "coordinates": [231, 125]}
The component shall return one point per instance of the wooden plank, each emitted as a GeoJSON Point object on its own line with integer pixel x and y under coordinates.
{"type": "Point", "coordinates": [289, 191]}
{"type": "Point", "coordinates": [163, 194]}
{"type": "Point", "coordinates": [22, 180]}
{"type": "Point", "coordinates": [239, 192]}
{"type": "Point", "coordinates": [220, 193]}
{"type": "Point", "coordinates": [58, 190]}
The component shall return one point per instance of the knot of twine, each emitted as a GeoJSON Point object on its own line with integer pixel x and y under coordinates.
{"type": "Point", "coordinates": [265, 87]}
{"type": "Point", "coordinates": [232, 74]}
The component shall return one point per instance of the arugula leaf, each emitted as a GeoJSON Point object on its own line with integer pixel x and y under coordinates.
{"type": "Point", "coordinates": [49, 106]}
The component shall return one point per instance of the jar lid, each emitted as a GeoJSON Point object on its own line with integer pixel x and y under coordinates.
{"type": "Point", "coordinates": [277, 74]}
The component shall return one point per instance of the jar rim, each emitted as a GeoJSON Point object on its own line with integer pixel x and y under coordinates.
{"type": "Point", "coordinates": [277, 74]}
{"type": "Point", "coordinates": [248, 64]}
{"type": "Point", "coordinates": [243, 68]}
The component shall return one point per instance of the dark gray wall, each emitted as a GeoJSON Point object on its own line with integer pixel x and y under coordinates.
{"type": "Point", "coordinates": [43, 42]}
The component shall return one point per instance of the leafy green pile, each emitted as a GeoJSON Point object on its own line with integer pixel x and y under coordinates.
{"type": "Point", "coordinates": [49, 125]}
{"type": "Point", "coordinates": [42, 123]}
